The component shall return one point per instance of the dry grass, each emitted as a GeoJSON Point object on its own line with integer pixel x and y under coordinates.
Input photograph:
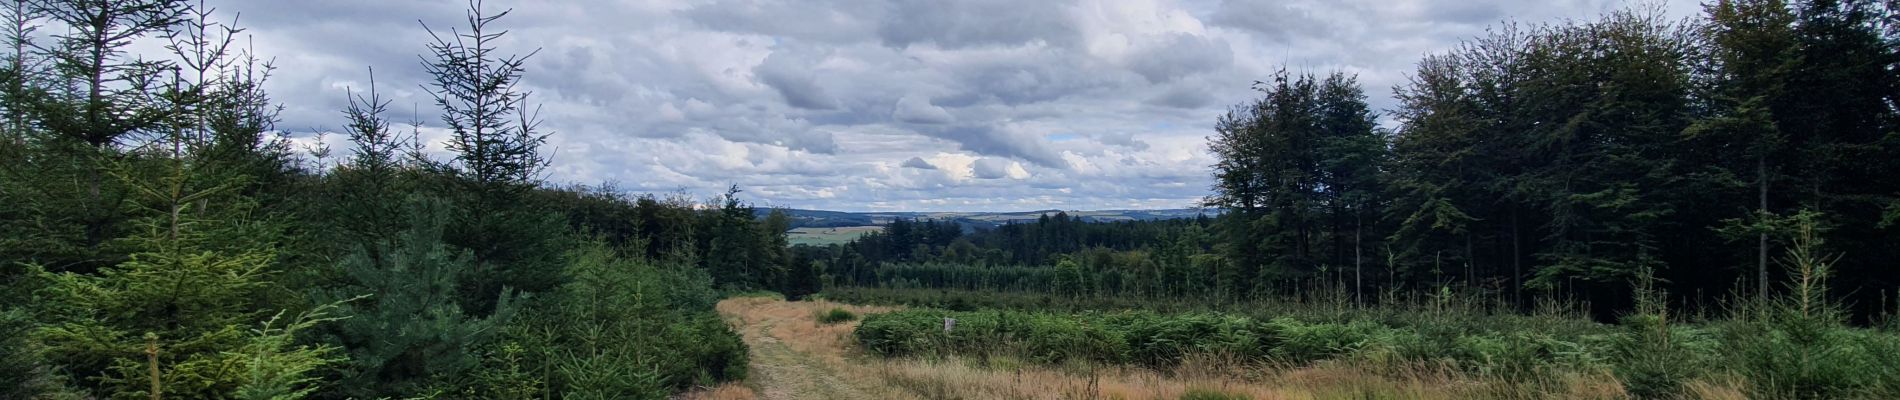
{"type": "Point", "coordinates": [729, 391]}
{"type": "Point", "coordinates": [830, 352]}
{"type": "Point", "coordinates": [1719, 388]}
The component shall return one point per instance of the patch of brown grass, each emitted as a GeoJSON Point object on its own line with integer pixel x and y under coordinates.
{"type": "Point", "coordinates": [1717, 388]}
{"type": "Point", "coordinates": [729, 391]}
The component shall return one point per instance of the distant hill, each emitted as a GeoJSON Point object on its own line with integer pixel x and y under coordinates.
{"type": "Point", "coordinates": [973, 220]}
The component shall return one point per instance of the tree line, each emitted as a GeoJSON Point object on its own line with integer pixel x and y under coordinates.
{"type": "Point", "coordinates": [161, 237]}
{"type": "Point", "coordinates": [1562, 160]}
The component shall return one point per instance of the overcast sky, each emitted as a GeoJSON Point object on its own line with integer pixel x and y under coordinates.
{"type": "Point", "coordinates": [881, 105]}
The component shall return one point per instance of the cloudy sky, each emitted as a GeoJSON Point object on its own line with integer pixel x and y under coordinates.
{"type": "Point", "coordinates": [880, 105]}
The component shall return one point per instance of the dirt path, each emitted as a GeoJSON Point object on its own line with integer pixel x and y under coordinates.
{"type": "Point", "coordinates": [789, 375]}
{"type": "Point", "coordinates": [793, 357]}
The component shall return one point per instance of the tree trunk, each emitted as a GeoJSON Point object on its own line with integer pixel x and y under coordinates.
{"type": "Point", "coordinates": [1358, 261]}
{"type": "Point", "coordinates": [1517, 261]}
{"type": "Point", "coordinates": [1761, 236]}
{"type": "Point", "coordinates": [1470, 262]}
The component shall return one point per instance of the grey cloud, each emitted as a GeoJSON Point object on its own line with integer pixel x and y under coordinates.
{"type": "Point", "coordinates": [954, 24]}
{"type": "Point", "coordinates": [775, 130]}
{"type": "Point", "coordinates": [1124, 139]}
{"type": "Point", "coordinates": [1277, 21]}
{"type": "Point", "coordinates": [991, 141]}
{"type": "Point", "coordinates": [918, 110]}
{"type": "Point", "coordinates": [1467, 12]}
{"type": "Point", "coordinates": [836, 23]}
{"type": "Point", "coordinates": [794, 81]}
{"type": "Point", "coordinates": [918, 163]}
{"type": "Point", "coordinates": [1025, 77]}
{"type": "Point", "coordinates": [1178, 55]}
{"type": "Point", "coordinates": [1183, 97]}
{"type": "Point", "coordinates": [990, 168]}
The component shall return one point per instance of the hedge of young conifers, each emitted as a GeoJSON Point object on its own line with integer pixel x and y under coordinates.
{"type": "Point", "coordinates": [1158, 340]}
{"type": "Point", "coordinates": [1650, 357]}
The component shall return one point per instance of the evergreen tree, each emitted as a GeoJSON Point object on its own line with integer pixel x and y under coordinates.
{"type": "Point", "coordinates": [1844, 90]}
{"type": "Point", "coordinates": [1352, 153]}
{"type": "Point", "coordinates": [1607, 170]}
{"type": "Point", "coordinates": [410, 335]}
{"type": "Point", "coordinates": [730, 242]}
{"type": "Point", "coordinates": [625, 328]}
{"type": "Point", "coordinates": [1297, 169]}
{"type": "Point", "coordinates": [190, 292]}
{"type": "Point", "coordinates": [94, 98]}
{"type": "Point", "coordinates": [1753, 44]}
{"type": "Point", "coordinates": [495, 136]}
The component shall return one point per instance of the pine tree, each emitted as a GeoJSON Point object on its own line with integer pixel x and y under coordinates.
{"type": "Point", "coordinates": [1840, 123]}
{"type": "Point", "coordinates": [94, 97]}
{"type": "Point", "coordinates": [411, 333]}
{"type": "Point", "coordinates": [189, 290]}
{"type": "Point", "coordinates": [496, 140]}
{"type": "Point", "coordinates": [1753, 42]}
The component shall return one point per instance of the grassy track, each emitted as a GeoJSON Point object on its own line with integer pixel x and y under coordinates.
{"type": "Point", "coordinates": [793, 357]}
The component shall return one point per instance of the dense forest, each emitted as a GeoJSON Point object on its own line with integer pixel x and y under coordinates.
{"type": "Point", "coordinates": [161, 236]}
{"type": "Point", "coordinates": [1564, 161]}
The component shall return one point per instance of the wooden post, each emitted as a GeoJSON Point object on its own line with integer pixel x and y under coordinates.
{"type": "Point", "coordinates": [151, 356]}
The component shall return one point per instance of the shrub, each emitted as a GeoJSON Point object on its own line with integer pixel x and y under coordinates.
{"type": "Point", "coordinates": [1303, 342]}
{"type": "Point", "coordinates": [835, 315]}
{"type": "Point", "coordinates": [763, 294]}
{"type": "Point", "coordinates": [1159, 341]}
{"type": "Point", "coordinates": [620, 328]}
{"type": "Point", "coordinates": [1210, 394]}
{"type": "Point", "coordinates": [1779, 351]}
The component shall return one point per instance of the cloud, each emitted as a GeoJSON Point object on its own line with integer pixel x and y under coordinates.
{"type": "Point", "coordinates": [955, 24]}
{"type": "Point", "coordinates": [1280, 22]}
{"type": "Point", "coordinates": [798, 19]}
{"type": "Point", "coordinates": [990, 140]}
{"type": "Point", "coordinates": [996, 168]}
{"type": "Point", "coordinates": [918, 110]}
{"type": "Point", "coordinates": [790, 76]}
{"type": "Point", "coordinates": [990, 104]}
{"type": "Point", "coordinates": [1178, 55]}
{"type": "Point", "coordinates": [918, 163]}
{"type": "Point", "coordinates": [1182, 97]}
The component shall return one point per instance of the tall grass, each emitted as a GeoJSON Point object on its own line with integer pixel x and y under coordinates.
{"type": "Point", "coordinates": [835, 316]}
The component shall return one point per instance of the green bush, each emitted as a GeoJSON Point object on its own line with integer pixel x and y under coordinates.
{"type": "Point", "coordinates": [1210, 394]}
{"type": "Point", "coordinates": [835, 315]}
{"type": "Point", "coordinates": [763, 294]}
{"type": "Point", "coordinates": [1653, 356]}
{"type": "Point", "coordinates": [619, 328]}
{"type": "Point", "coordinates": [1161, 341]}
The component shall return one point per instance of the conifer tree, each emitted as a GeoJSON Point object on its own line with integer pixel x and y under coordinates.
{"type": "Point", "coordinates": [494, 133]}
{"type": "Point", "coordinates": [1753, 44]}
{"type": "Point", "coordinates": [730, 242]}
{"type": "Point", "coordinates": [95, 97]}
{"type": "Point", "coordinates": [411, 332]}
{"type": "Point", "coordinates": [190, 290]}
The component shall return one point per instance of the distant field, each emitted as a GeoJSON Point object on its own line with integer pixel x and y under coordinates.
{"type": "Point", "coordinates": [827, 236]}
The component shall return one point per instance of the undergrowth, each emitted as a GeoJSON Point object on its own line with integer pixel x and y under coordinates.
{"type": "Point", "coordinates": [1798, 345]}
{"type": "Point", "coordinates": [834, 316]}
